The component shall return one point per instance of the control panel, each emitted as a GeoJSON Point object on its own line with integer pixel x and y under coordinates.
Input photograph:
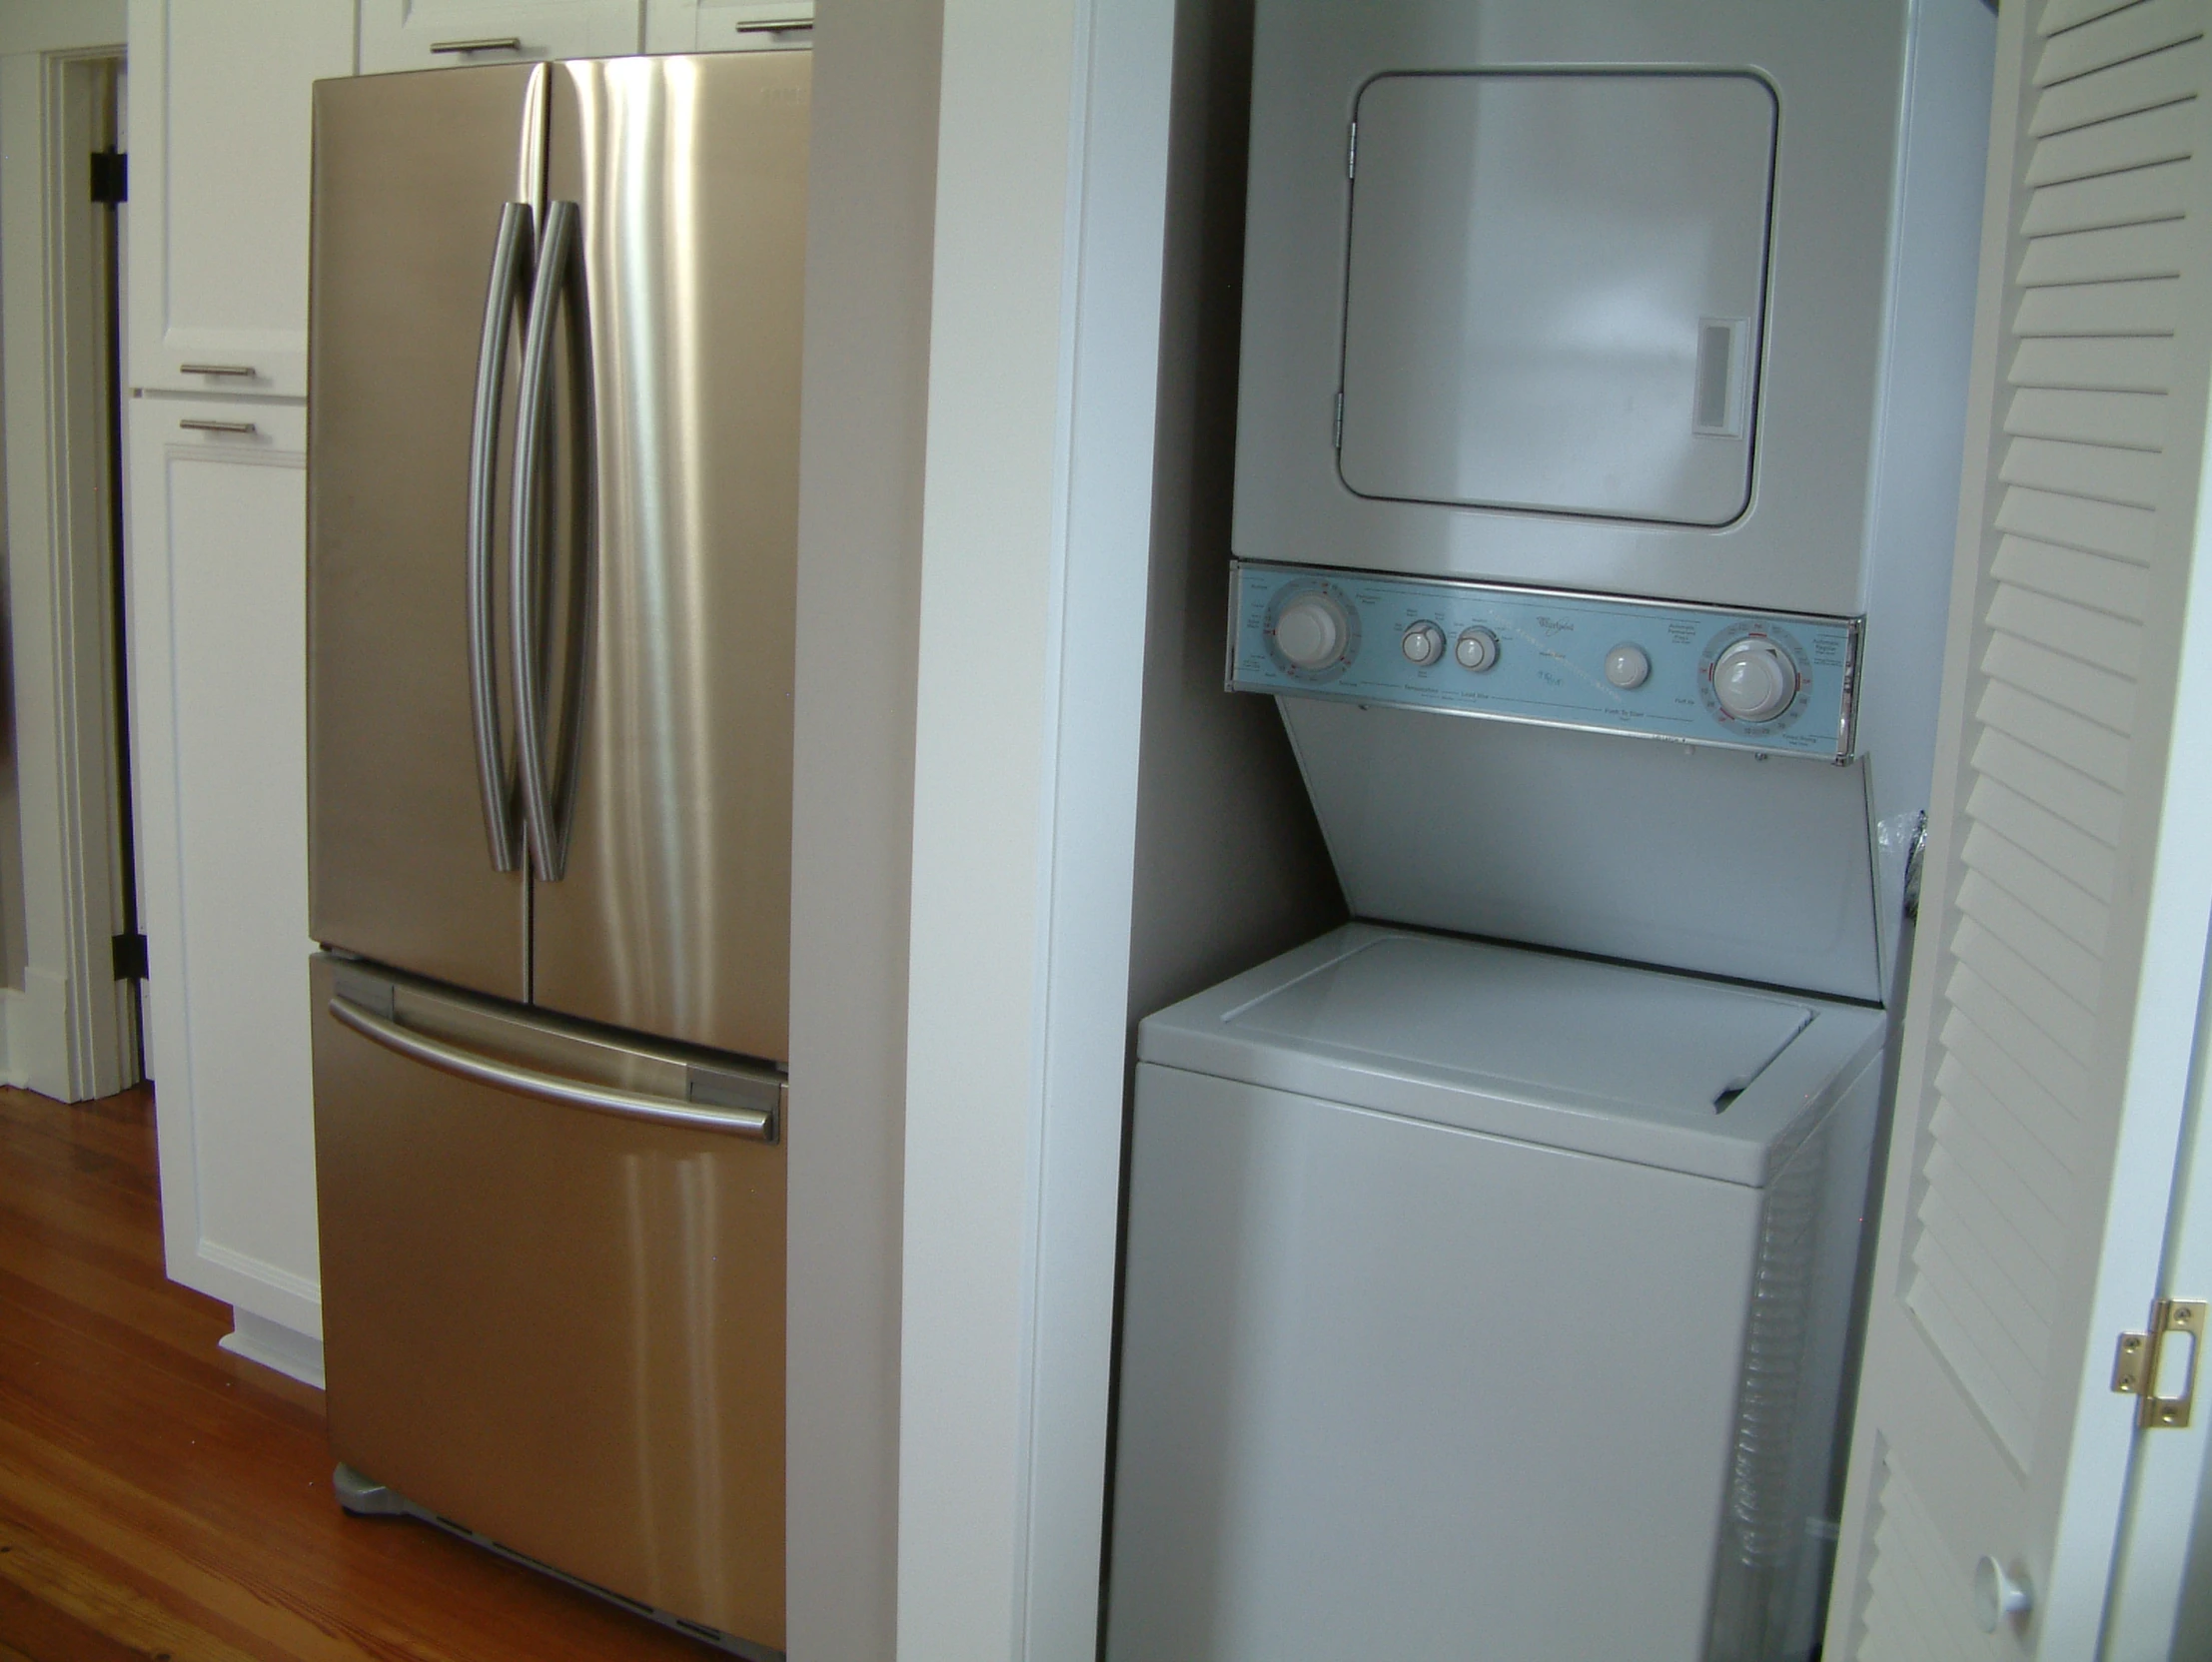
{"type": "Point", "coordinates": [1770, 682]}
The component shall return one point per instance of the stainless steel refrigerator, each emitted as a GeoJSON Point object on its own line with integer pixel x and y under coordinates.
{"type": "Point", "coordinates": [552, 500]}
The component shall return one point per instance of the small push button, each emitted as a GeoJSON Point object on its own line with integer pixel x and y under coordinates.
{"type": "Point", "coordinates": [1627, 666]}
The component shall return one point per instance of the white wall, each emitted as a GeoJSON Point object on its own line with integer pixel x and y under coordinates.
{"type": "Point", "coordinates": [59, 25]}
{"type": "Point", "coordinates": [1051, 175]}
{"type": "Point", "coordinates": [873, 193]}
{"type": "Point", "coordinates": [990, 540]}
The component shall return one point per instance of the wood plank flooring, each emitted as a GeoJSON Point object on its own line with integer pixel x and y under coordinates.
{"type": "Point", "coordinates": [164, 1501]}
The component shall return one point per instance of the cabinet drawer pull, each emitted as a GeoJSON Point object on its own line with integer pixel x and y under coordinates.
{"type": "Point", "coordinates": [776, 26]}
{"type": "Point", "coordinates": [197, 424]}
{"type": "Point", "coordinates": [489, 43]}
{"type": "Point", "coordinates": [216, 369]}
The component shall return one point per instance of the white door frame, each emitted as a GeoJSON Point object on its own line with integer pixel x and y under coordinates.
{"type": "Point", "coordinates": [2160, 1602]}
{"type": "Point", "coordinates": [70, 1030]}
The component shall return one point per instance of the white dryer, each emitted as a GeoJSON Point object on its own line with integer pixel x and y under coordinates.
{"type": "Point", "coordinates": [1485, 1301]}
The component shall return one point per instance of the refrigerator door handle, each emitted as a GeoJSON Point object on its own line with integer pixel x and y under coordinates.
{"type": "Point", "coordinates": [756, 1123]}
{"type": "Point", "coordinates": [510, 277]}
{"type": "Point", "coordinates": [527, 531]}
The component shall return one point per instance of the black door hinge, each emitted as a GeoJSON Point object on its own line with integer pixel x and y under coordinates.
{"type": "Point", "coordinates": [130, 957]}
{"type": "Point", "coordinates": [110, 177]}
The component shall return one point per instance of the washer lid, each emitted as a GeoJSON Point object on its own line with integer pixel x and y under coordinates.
{"type": "Point", "coordinates": [1697, 1076]}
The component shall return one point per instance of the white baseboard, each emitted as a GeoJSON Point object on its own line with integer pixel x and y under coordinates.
{"type": "Point", "coordinates": [291, 1353]}
{"type": "Point", "coordinates": [12, 1071]}
{"type": "Point", "coordinates": [36, 1043]}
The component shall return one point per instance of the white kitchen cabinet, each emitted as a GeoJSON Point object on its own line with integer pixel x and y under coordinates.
{"type": "Point", "coordinates": [219, 684]}
{"type": "Point", "coordinates": [727, 25]}
{"type": "Point", "coordinates": [428, 34]}
{"type": "Point", "coordinates": [221, 120]}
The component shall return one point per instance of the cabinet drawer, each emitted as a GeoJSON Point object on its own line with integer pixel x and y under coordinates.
{"type": "Point", "coordinates": [221, 121]}
{"type": "Point", "coordinates": [443, 33]}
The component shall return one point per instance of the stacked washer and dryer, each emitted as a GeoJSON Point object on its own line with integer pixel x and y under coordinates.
{"type": "Point", "coordinates": [1492, 1261]}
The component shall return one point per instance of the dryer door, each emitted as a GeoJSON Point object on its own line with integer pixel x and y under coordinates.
{"type": "Point", "coordinates": [1556, 291]}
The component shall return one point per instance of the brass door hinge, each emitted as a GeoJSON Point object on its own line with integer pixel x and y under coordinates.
{"type": "Point", "coordinates": [2135, 1365]}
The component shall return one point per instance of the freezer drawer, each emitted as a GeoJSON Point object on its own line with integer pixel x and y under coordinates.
{"type": "Point", "coordinates": [558, 1326]}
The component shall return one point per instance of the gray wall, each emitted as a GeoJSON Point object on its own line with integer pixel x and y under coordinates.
{"type": "Point", "coordinates": [1231, 868]}
{"type": "Point", "coordinates": [1230, 864]}
{"type": "Point", "coordinates": [869, 240]}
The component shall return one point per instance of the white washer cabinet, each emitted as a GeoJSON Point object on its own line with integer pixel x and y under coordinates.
{"type": "Point", "coordinates": [1485, 1301]}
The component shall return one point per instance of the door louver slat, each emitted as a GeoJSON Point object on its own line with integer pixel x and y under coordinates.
{"type": "Point", "coordinates": [2057, 900]}
{"type": "Point", "coordinates": [2131, 31]}
{"type": "Point", "coordinates": [2141, 140]}
{"type": "Point", "coordinates": [2060, 844]}
{"type": "Point", "coordinates": [1922, 1610]}
{"type": "Point", "coordinates": [2127, 88]}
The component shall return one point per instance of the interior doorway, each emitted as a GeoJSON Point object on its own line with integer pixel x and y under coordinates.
{"type": "Point", "coordinates": [71, 954]}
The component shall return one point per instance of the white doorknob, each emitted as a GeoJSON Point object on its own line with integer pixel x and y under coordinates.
{"type": "Point", "coordinates": [2000, 1594]}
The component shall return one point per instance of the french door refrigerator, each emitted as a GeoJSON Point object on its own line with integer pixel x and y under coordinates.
{"type": "Point", "coordinates": [552, 500]}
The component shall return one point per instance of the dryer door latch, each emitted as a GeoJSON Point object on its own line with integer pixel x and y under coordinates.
{"type": "Point", "coordinates": [2136, 1364]}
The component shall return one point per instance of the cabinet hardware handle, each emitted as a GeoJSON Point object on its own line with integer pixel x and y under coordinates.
{"type": "Point", "coordinates": [489, 43]}
{"type": "Point", "coordinates": [776, 26]}
{"type": "Point", "coordinates": [216, 369]}
{"type": "Point", "coordinates": [196, 425]}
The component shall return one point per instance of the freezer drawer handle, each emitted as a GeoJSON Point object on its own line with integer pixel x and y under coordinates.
{"type": "Point", "coordinates": [510, 274]}
{"type": "Point", "coordinates": [525, 1081]}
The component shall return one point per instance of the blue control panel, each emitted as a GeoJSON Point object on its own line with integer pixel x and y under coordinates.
{"type": "Point", "coordinates": [1778, 682]}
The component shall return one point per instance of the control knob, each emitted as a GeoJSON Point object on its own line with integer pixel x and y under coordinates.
{"type": "Point", "coordinates": [1477, 649]}
{"type": "Point", "coordinates": [1423, 644]}
{"type": "Point", "coordinates": [1755, 680]}
{"type": "Point", "coordinates": [1627, 666]}
{"type": "Point", "coordinates": [1311, 630]}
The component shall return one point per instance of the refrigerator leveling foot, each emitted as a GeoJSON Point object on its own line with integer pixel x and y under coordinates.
{"type": "Point", "coordinates": [363, 1498]}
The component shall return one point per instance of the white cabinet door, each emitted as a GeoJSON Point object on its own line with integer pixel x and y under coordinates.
{"type": "Point", "coordinates": [728, 25]}
{"type": "Point", "coordinates": [432, 34]}
{"type": "Point", "coordinates": [219, 684]}
{"type": "Point", "coordinates": [2049, 1033]}
{"type": "Point", "coordinates": [220, 127]}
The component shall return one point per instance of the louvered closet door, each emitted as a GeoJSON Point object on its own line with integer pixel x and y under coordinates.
{"type": "Point", "coordinates": [2062, 934]}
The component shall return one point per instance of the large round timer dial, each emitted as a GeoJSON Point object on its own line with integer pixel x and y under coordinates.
{"type": "Point", "coordinates": [1311, 630]}
{"type": "Point", "coordinates": [1754, 680]}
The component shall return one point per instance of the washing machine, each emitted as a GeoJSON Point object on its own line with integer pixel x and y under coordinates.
{"type": "Point", "coordinates": [1491, 1262]}
{"type": "Point", "coordinates": [1485, 1301]}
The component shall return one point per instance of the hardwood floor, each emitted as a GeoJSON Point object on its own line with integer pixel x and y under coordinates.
{"type": "Point", "coordinates": [165, 1501]}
